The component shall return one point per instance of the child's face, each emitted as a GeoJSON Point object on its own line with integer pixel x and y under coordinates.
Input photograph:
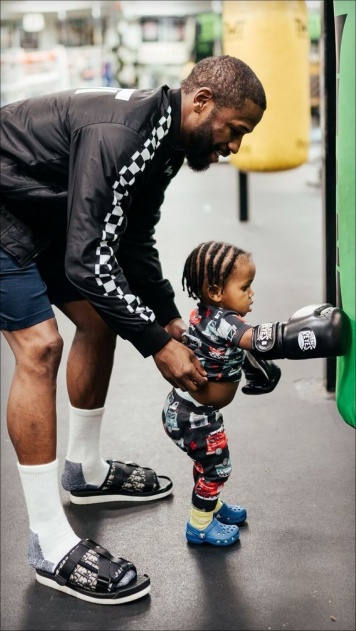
{"type": "Point", "coordinates": [237, 294]}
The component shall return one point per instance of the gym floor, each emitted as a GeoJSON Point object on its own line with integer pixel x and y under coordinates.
{"type": "Point", "coordinates": [293, 455]}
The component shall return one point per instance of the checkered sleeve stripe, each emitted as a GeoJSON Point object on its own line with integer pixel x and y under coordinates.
{"type": "Point", "coordinates": [115, 220]}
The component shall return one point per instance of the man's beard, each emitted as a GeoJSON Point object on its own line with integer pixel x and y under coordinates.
{"type": "Point", "coordinates": [200, 147]}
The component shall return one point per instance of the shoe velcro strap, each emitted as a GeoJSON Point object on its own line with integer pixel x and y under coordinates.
{"type": "Point", "coordinates": [98, 549]}
{"type": "Point", "coordinates": [74, 556]}
{"type": "Point", "coordinates": [103, 578]}
{"type": "Point", "coordinates": [123, 471]}
{"type": "Point", "coordinates": [151, 479]}
{"type": "Point", "coordinates": [110, 568]}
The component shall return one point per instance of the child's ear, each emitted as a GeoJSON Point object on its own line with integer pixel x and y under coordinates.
{"type": "Point", "coordinates": [215, 293]}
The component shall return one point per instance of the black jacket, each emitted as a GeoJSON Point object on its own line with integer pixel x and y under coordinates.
{"type": "Point", "coordinates": [103, 158]}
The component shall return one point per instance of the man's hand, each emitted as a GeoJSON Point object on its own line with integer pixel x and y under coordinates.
{"type": "Point", "coordinates": [180, 367]}
{"type": "Point", "coordinates": [176, 328]}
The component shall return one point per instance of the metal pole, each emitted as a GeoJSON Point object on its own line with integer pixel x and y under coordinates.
{"type": "Point", "coordinates": [328, 120]}
{"type": "Point", "coordinates": [243, 195]}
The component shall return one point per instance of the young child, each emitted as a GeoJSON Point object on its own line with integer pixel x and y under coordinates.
{"type": "Point", "coordinates": [220, 275]}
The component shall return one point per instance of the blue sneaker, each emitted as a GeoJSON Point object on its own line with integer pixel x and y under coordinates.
{"type": "Point", "coordinates": [231, 514]}
{"type": "Point", "coordinates": [216, 534]}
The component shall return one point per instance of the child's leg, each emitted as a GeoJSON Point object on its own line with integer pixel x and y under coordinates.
{"type": "Point", "coordinates": [208, 447]}
{"type": "Point", "coordinates": [199, 431]}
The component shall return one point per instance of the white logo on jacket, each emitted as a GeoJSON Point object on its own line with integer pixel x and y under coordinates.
{"type": "Point", "coordinates": [168, 170]}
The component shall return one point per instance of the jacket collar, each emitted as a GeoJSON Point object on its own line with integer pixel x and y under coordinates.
{"type": "Point", "coordinates": [175, 97]}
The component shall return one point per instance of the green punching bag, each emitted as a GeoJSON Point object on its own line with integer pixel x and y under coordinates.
{"type": "Point", "coordinates": [344, 15]}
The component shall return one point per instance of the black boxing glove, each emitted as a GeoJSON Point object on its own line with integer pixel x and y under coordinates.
{"type": "Point", "coordinates": [261, 376]}
{"type": "Point", "coordinates": [313, 331]}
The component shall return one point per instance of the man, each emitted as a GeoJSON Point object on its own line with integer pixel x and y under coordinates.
{"type": "Point", "coordinates": [83, 178]}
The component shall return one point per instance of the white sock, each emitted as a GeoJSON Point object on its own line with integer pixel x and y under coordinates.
{"type": "Point", "coordinates": [47, 518]}
{"type": "Point", "coordinates": [84, 443]}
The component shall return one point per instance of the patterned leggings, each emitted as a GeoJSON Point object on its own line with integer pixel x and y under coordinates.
{"type": "Point", "coordinates": [199, 431]}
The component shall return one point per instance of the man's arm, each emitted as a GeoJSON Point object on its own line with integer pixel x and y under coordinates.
{"type": "Point", "coordinates": [180, 366]}
{"type": "Point", "coordinates": [138, 253]}
{"type": "Point", "coordinates": [102, 180]}
{"type": "Point", "coordinates": [100, 191]}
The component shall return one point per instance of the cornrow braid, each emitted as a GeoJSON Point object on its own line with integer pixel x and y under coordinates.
{"type": "Point", "coordinates": [202, 256]}
{"type": "Point", "coordinates": [210, 263]}
{"type": "Point", "coordinates": [218, 256]}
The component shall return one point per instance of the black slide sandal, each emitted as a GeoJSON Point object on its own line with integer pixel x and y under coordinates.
{"type": "Point", "coordinates": [126, 482]}
{"type": "Point", "coordinates": [89, 572]}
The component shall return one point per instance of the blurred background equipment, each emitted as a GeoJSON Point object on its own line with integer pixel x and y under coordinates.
{"type": "Point", "coordinates": [272, 37]}
{"type": "Point", "coordinates": [128, 43]}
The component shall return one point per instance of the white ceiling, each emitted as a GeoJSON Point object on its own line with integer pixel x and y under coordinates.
{"type": "Point", "coordinates": [12, 8]}
{"type": "Point", "coordinates": [135, 8]}
{"type": "Point", "coordinates": [176, 8]}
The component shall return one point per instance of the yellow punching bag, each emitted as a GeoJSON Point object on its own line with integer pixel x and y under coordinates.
{"type": "Point", "coordinates": [272, 38]}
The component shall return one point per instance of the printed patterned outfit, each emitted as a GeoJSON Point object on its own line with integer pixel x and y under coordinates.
{"type": "Point", "coordinates": [198, 430]}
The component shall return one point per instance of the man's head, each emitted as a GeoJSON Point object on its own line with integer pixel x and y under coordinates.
{"type": "Point", "coordinates": [222, 99]}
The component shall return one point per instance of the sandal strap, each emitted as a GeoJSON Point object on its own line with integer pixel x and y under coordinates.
{"type": "Point", "coordinates": [120, 472]}
{"type": "Point", "coordinates": [74, 556]}
{"type": "Point", "coordinates": [103, 578]}
{"type": "Point", "coordinates": [151, 479]}
{"type": "Point", "coordinates": [110, 569]}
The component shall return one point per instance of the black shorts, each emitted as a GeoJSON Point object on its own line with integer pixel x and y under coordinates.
{"type": "Point", "coordinates": [27, 293]}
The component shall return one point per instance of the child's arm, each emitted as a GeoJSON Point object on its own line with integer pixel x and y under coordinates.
{"type": "Point", "coordinates": [314, 331]}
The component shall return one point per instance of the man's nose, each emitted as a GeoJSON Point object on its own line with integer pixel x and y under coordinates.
{"type": "Point", "coordinates": [234, 145]}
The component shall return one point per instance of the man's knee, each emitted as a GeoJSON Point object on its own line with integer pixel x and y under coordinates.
{"type": "Point", "coordinates": [39, 350]}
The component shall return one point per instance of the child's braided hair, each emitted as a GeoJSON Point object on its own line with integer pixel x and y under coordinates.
{"type": "Point", "coordinates": [209, 263]}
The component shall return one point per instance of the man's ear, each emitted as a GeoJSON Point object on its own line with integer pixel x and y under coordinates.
{"type": "Point", "coordinates": [215, 293]}
{"type": "Point", "coordinates": [202, 98]}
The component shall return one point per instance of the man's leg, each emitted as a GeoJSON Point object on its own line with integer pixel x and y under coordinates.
{"type": "Point", "coordinates": [90, 358]}
{"type": "Point", "coordinates": [28, 324]}
{"type": "Point", "coordinates": [31, 408]}
{"type": "Point", "coordinates": [89, 370]}
{"type": "Point", "coordinates": [31, 421]}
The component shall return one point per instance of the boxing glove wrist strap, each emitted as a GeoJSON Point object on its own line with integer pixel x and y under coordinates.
{"type": "Point", "coordinates": [267, 341]}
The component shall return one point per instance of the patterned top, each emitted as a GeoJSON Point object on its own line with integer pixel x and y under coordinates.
{"type": "Point", "coordinates": [213, 335]}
